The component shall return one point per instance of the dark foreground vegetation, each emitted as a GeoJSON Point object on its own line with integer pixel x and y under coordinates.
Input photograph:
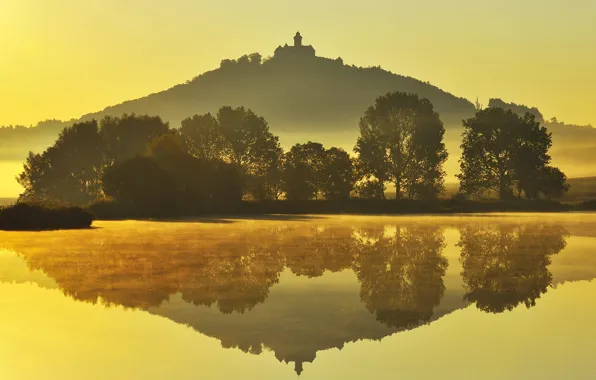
{"type": "Point", "coordinates": [37, 217]}
{"type": "Point", "coordinates": [586, 206]}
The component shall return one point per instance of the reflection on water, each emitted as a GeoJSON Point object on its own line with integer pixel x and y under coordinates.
{"type": "Point", "coordinates": [507, 265]}
{"type": "Point", "coordinates": [401, 272]}
{"type": "Point", "coordinates": [297, 287]}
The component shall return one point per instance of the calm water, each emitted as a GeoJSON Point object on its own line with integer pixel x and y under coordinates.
{"type": "Point", "coordinates": [474, 297]}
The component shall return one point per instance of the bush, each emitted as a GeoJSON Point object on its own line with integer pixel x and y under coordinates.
{"type": "Point", "coordinates": [587, 206]}
{"type": "Point", "coordinates": [38, 217]}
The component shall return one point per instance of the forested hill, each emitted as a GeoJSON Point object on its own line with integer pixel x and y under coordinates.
{"type": "Point", "coordinates": [306, 98]}
{"type": "Point", "coordinates": [305, 93]}
{"type": "Point", "coordinates": [296, 95]}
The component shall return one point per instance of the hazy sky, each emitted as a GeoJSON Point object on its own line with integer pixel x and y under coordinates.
{"type": "Point", "coordinates": [63, 58]}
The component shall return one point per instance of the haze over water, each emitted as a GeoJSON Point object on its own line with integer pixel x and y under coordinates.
{"type": "Point", "coordinates": [479, 296]}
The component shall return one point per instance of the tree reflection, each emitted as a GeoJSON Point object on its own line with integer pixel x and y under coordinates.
{"type": "Point", "coordinates": [235, 281]}
{"type": "Point", "coordinates": [401, 273]}
{"type": "Point", "coordinates": [506, 265]}
{"type": "Point", "coordinates": [146, 271]}
{"type": "Point", "coordinates": [323, 248]}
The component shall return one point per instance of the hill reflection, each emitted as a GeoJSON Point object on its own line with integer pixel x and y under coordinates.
{"type": "Point", "coordinates": [344, 281]}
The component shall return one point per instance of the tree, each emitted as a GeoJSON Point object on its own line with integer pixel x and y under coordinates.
{"type": "Point", "coordinates": [200, 185]}
{"type": "Point", "coordinates": [503, 152]}
{"type": "Point", "coordinates": [553, 182]}
{"type": "Point", "coordinates": [372, 165]}
{"type": "Point", "coordinates": [255, 59]}
{"type": "Point", "coordinates": [239, 137]}
{"type": "Point", "coordinates": [127, 136]}
{"type": "Point", "coordinates": [69, 171]}
{"type": "Point", "coordinates": [337, 180]}
{"type": "Point", "coordinates": [303, 171]}
{"type": "Point", "coordinates": [140, 185]}
{"type": "Point", "coordinates": [371, 189]}
{"type": "Point", "coordinates": [401, 140]}
{"type": "Point", "coordinates": [265, 181]}
{"type": "Point", "coordinates": [166, 145]}
{"type": "Point", "coordinates": [204, 137]}
{"type": "Point", "coordinates": [252, 147]}
{"type": "Point", "coordinates": [35, 177]}
{"type": "Point", "coordinates": [227, 185]}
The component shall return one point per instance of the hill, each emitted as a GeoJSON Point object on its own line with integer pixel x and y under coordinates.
{"type": "Point", "coordinates": [301, 94]}
{"type": "Point", "coordinates": [298, 94]}
{"type": "Point", "coordinates": [306, 97]}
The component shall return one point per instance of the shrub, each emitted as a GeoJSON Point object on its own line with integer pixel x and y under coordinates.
{"type": "Point", "coordinates": [37, 217]}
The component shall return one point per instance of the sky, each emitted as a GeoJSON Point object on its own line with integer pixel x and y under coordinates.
{"type": "Point", "coordinates": [64, 58]}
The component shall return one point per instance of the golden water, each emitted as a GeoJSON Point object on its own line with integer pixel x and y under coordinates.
{"type": "Point", "coordinates": [469, 297]}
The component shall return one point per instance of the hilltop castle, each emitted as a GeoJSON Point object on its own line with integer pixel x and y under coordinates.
{"type": "Point", "coordinates": [298, 50]}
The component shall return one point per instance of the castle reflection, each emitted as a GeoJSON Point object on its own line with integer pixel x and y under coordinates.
{"type": "Point", "coordinates": [337, 282]}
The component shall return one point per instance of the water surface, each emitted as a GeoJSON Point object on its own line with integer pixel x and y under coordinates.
{"type": "Point", "coordinates": [480, 296]}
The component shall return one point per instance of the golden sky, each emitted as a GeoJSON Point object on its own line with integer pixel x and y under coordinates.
{"type": "Point", "coordinates": [63, 58]}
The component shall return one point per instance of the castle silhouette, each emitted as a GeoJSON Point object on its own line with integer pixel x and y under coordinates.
{"type": "Point", "coordinates": [298, 50]}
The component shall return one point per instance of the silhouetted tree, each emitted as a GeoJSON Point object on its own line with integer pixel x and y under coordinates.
{"type": "Point", "coordinates": [127, 136]}
{"type": "Point", "coordinates": [140, 184]}
{"type": "Point", "coordinates": [166, 145]}
{"type": "Point", "coordinates": [239, 137]}
{"type": "Point", "coordinates": [255, 59]}
{"type": "Point", "coordinates": [401, 140]}
{"type": "Point", "coordinates": [503, 151]}
{"type": "Point", "coordinates": [191, 177]}
{"type": "Point", "coordinates": [244, 60]}
{"type": "Point", "coordinates": [371, 189]}
{"type": "Point", "coordinates": [172, 184]}
{"type": "Point", "coordinates": [508, 265]}
{"type": "Point", "coordinates": [69, 170]}
{"type": "Point", "coordinates": [35, 178]}
{"type": "Point", "coordinates": [303, 171]}
{"type": "Point", "coordinates": [338, 176]}
{"type": "Point", "coordinates": [227, 186]}
{"type": "Point", "coordinates": [264, 177]}
{"type": "Point", "coordinates": [204, 137]}
{"type": "Point", "coordinates": [553, 182]}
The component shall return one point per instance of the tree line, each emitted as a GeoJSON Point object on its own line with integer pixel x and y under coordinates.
{"type": "Point", "coordinates": [215, 160]}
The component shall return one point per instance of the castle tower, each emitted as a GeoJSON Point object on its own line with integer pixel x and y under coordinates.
{"type": "Point", "coordinates": [297, 40]}
{"type": "Point", "coordinates": [298, 367]}
{"type": "Point", "coordinates": [298, 51]}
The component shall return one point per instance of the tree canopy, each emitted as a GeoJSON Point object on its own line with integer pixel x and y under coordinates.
{"type": "Point", "coordinates": [401, 141]}
{"type": "Point", "coordinates": [143, 164]}
{"type": "Point", "coordinates": [239, 137]}
{"type": "Point", "coordinates": [506, 153]}
{"type": "Point", "coordinates": [214, 160]}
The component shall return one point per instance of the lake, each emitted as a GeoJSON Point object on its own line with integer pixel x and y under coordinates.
{"type": "Point", "coordinates": [506, 296]}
